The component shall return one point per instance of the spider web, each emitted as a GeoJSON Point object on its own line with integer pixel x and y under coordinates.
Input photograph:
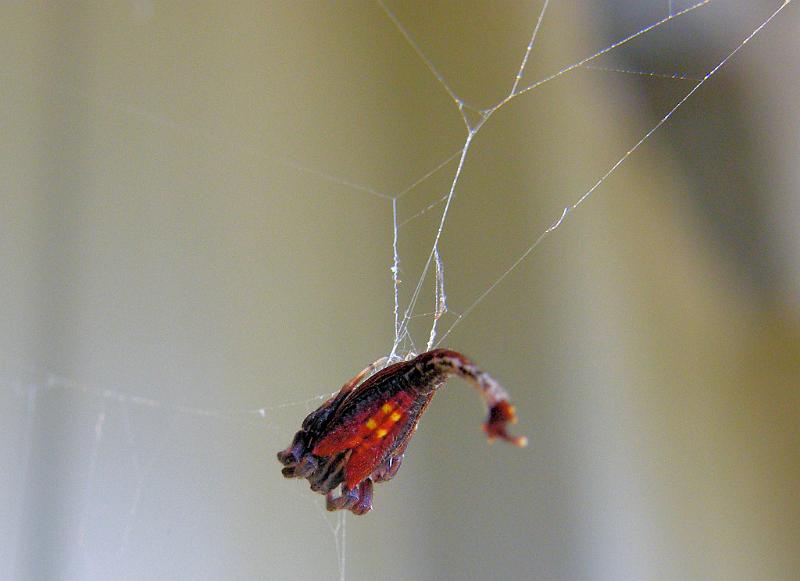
{"type": "Point", "coordinates": [131, 434]}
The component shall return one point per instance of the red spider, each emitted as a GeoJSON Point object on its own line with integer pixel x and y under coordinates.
{"type": "Point", "coordinates": [359, 435]}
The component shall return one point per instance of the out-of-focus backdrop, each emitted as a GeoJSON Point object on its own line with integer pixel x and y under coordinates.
{"type": "Point", "coordinates": [196, 236]}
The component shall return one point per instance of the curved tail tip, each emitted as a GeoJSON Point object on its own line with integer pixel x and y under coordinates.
{"type": "Point", "coordinates": [501, 414]}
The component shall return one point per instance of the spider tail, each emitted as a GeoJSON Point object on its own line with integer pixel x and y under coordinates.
{"type": "Point", "coordinates": [501, 412]}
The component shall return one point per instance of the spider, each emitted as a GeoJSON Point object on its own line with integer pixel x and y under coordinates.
{"type": "Point", "coordinates": [358, 437]}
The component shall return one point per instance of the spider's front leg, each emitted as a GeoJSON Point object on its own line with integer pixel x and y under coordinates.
{"type": "Point", "coordinates": [357, 500]}
{"type": "Point", "coordinates": [368, 370]}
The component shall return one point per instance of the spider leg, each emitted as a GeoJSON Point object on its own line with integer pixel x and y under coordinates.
{"type": "Point", "coordinates": [358, 500]}
{"type": "Point", "coordinates": [364, 504]}
{"type": "Point", "coordinates": [344, 501]}
{"type": "Point", "coordinates": [388, 469]}
{"type": "Point", "coordinates": [391, 465]}
{"type": "Point", "coordinates": [368, 370]}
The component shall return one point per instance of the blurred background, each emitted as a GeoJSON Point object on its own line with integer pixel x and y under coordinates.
{"type": "Point", "coordinates": [195, 246]}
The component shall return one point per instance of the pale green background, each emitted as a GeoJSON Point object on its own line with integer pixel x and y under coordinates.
{"type": "Point", "coordinates": [166, 233]}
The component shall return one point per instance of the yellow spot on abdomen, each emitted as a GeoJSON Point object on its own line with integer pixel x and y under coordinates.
{"type": "Point", "coordinates": [386, 408]}
{"type": "Point", "coordinates": [372, 424]}
{"type": "Point", "coordinates": [395, 416]}
{"type": "Point", "coordinates": [381, 433]}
